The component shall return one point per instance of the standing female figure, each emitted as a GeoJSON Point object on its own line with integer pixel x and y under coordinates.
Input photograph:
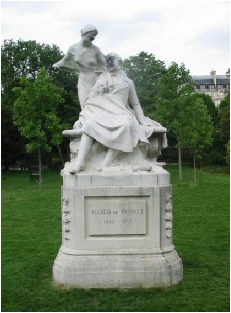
{"type": "Point", "coordinates": [86, 60]}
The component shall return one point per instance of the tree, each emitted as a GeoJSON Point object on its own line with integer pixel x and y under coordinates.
{"type": "Point", "coordinates": [144, 70]}
{"type": "Point", "coordinates": [215, 153]}
{"type": "Point", "coordinates": [210, 105]}
{"type": "Point", "coordinates": [181, 111]}
{"type": "Point", "coordinates": [35, 113]}
{"type": "Point", "coordinates": [196, 127]}
{"type": "Point", "coordinates": [25, 59]}
{"type": "Point", "coordinates": [173, 88]}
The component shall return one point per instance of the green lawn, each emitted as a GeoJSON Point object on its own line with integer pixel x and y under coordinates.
{"type": "Point", "coordinates": [31, 237]}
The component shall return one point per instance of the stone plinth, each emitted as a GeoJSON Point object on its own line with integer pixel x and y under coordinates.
{"type": "Point", "coordinates": [117, 231]}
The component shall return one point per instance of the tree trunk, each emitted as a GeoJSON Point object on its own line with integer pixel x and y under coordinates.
{"type": "Point", "coordinates": [60, 154]}
{"type": "Point", "coordinates": [67, 146]}
{"type": "Point", "coordinates": [40, 168]}
{"type": "Point", "coordinates": [194, 168]}
{"type": "Point", "coordinates": [179, 160]}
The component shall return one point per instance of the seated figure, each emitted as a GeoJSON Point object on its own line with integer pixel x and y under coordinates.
{"type": "Point", "coordinates": [113, 117]}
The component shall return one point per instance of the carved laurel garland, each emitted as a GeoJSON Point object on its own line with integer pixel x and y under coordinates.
{"type": "Point", "coordinates": [168, 216]}
{"type": "Point", "coordinates": [66, 218]}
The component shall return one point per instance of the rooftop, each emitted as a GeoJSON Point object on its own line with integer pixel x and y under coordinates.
{"type": "Point", "coordinates": [208, 79]}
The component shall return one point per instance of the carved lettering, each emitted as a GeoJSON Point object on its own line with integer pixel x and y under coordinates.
{"type": "Point", "coordinates": [116, 216]}
{"type": "Point", "coordinates": [101, 212]}
{"type": "Point", "coordinates": [132, 211]}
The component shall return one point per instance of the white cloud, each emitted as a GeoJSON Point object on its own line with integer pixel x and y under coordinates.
{"type": "Point", "coordinates": [195, 33]}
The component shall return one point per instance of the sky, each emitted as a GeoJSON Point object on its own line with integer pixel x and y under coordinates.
{"type": "Point", "coordinates": [195, 33]}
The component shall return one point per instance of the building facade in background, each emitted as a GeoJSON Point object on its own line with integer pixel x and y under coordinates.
{"type": "Point", "coordinates": [213, 85]}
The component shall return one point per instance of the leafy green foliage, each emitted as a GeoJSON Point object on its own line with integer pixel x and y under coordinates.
{"type": "Point", "coordinates": [224, 118]}
{"type": "Point", "coordinates": [224, 128]}
{"type": "Point", "coordinates": [210, 105]}
{"type": "Point", "coordinates": [145, 70]}
{"type": "Point", "coordinates": [156, 86]}
{"type": "Point", "coordinates": [11, 140]}
{"type": "Point", "coordinates": [173, 89]}
{"type": "Point", "coordinates": [221, 130]}
{"type": "Point", "coordinates": [24, 59]}
{"type": "Point", "coordinates": [228, 153]}
{"type": "Point", "coordinates": [196, 126]}
{"type": "Point", "coordinates": [35, 111]}
{"type": "Point", "coordinates": [181, 111]}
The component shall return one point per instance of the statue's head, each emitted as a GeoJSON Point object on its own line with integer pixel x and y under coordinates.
{"type": "Point", "coordinates": [114, 61]}
{"type": "Point", "coordinates": [89, 31]}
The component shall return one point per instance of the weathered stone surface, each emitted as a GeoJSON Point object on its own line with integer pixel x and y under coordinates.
{"type": "Point", "coordinates": [113, 118]}
{"type": "Point", "coordinates": [117, 213]}
{"type": "Point", "coordinates": [115, 234]}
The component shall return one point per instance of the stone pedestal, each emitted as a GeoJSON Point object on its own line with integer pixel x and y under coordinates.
{"type": "Point", "coordinates": [117, 231]}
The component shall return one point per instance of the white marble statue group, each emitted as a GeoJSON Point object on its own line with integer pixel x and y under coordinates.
{"type": "Point", "coordinates": [111, 119]}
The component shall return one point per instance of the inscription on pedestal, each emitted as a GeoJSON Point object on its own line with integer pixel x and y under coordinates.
{"type": "Point", "coordinates": [116, 215]}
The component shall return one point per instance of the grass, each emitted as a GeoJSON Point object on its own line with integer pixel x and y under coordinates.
{"type": "Point", "coordinates": [31, 237]}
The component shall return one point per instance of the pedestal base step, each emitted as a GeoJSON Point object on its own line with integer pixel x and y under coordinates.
{"type": "Point", "coordinates": [117, 271]}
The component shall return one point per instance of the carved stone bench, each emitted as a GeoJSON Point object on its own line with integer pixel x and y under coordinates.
{"type": "Point", "coordinates": [149, 153]}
